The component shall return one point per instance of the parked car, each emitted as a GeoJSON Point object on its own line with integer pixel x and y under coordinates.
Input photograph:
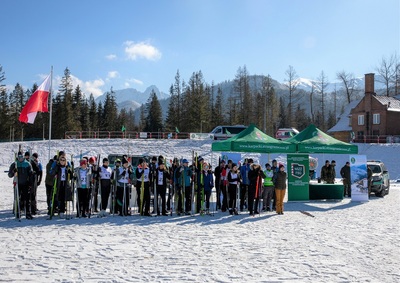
{"type": "Point", "coordinates": [380, 182]}
{"type": "Point", "coordinates": [225, 132]}
{"type": "Point", "coordinates": [285, 133]}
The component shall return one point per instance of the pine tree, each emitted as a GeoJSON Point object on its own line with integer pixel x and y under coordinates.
{"type": "Point", "coordinates": [172, 120]}
{"type": "Point", "coordinates": [217, 113]}
{"type": "Point", "coordinates": [4, 113]}
{"type": "Point", "coordinates": [93, 115]}
{"type": "Point", "coordinates": [110, 113]}
{"type": "Point", "coordinates": [154, 114]}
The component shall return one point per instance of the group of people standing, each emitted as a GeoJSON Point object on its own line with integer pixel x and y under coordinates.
{"type": "Point", "coordinates": [180, 187]}
{"type": "Point", "coordinates": [254, 184]}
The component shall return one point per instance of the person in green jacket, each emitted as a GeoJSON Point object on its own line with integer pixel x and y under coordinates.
{"type": "Point", "coordinates": [268, 187]}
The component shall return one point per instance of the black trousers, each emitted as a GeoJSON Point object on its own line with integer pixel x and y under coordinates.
{"type": "Point", "coordinates": [188, 199]}
{"type": "Point", "coordinates": [225, 198]}
{"type": "Point", "coordinates": [83, 200]}
{"type": "Point", "coordinates": [161, 190]}
{"type": "Point", "coordinates": [232, 196]}
{"type": "Point", "coordinates": [61, 197]}
{"type": "Point", "coordinates": [243, 195]}
{"type": "Point", "coordinates": [218, 192]}
{"type": "Point", "coordinates": [105, 194]}
{"type": "Point", "coordinates": [207, 195]}
{"type": "Point", "coordinates": [253, 200]}
{"type": "Point", "coordinates": [25, 198]}
{"type": "Point", "coordinates": [146, 197]}
{"type": "Point", "coordinates": [122, 204]}
{"type": "Point", "coordinates": [49, 195]}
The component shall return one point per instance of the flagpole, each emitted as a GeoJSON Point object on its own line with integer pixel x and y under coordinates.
{"type": "Point", "coordinates": [51, 107]}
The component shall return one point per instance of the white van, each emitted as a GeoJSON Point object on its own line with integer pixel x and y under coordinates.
{"type": "Point", "coordinates": [225, 132]}
{"type": "Point", "coordinates": [285, 133]}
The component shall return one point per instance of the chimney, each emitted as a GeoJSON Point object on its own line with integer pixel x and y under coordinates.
{"type": "Point", "coordinates": [369, 83]}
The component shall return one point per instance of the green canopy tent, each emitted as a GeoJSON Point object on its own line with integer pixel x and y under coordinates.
{"type": "Point", "coordinates": [253, 140]}
{"type": "Point", "coordinates": [313, 140]}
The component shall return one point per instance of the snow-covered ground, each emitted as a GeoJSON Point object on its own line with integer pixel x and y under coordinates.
{"type": "Point", "coordinates": [344, 242]}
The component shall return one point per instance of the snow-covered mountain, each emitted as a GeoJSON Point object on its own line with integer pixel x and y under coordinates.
{"type": "Point", "coordinates": [131, 98]}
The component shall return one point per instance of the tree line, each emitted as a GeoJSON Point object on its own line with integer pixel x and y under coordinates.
{"type": "Point", "coordinates": [194, 106]}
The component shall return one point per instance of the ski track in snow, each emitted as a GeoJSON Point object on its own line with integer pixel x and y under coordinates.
{"type": "Point", "coordinates": [345, 241]}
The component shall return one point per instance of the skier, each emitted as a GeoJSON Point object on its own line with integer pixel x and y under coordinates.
{"type": "Point", "coordinates": [208, 185]}
{"type": "Point", "coordinates": [24, 173]}
{"type": "Point", "coordinates": [104, 175]}
{"type": "Point", "coordinates": [62, 171]}
{"type": "Point", "coordinates": [143, 175]}
{"type": "Point", "coordinates": [161, 178]}
{"type": "Point", "coordinates": [82, 176]}
{"type": "Point", "coordinates": [179, 189]}
{"type": "Point", "coordinates": [38, 173]}
{"type": "Point", "coordinates": [124, 176]}
{"type": "Point", "coordinates": [184, 176]}
{"type": "Point", "coordinates": [95, 190]}
{"type": "Point", "coordinates": [200, 183]}
{"type": "Point", "coordinates": [49, 183]}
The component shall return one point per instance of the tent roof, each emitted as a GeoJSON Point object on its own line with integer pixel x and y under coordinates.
{"type": "Point", "coordinates": [253, 139]}
{"type": "Point", "coordinates": [313, 140]}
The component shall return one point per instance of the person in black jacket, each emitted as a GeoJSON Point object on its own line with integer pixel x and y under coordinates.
{"type": "Point", "coordinates": [38, 173]}
{"type": "Point", "coordinates": [161, 181]}
{"type": "Point", "coordinates": [233, 182]}
{"type": "Point", "coordinates": [345, 173]}
{"type": "Point", "coordinates": [255, 176]}
{"type": "Point", "coordinates": [24, 172]}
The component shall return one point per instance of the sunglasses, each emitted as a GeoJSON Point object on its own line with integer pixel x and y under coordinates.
{"type": "Point", "coordinates": [62, 160]}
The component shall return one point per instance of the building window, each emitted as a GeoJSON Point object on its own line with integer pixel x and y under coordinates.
{"type": "Point", "coordinates": [360, 119]}
{"type": "Point", "coordinates": [376, 119]}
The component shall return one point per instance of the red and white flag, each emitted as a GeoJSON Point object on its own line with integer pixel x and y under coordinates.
{"type": "Point", "coordinates": [36, 103]}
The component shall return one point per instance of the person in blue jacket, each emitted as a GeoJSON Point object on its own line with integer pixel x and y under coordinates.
{"type": "Point", "coordinates": [244, 185]}
{"type": "Point", "coordinates": [184, 177]}
{"type": "Point", "coordinates": [208, 182]}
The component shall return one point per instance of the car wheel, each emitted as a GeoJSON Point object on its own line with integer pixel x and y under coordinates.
{"type": "Point", "coordinates": [381, 192]}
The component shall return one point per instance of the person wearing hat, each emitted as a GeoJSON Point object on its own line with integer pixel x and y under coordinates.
{"type": "Point", "coordinates": [124, 177]}
{"type": "Point", "coordinates": [63, 175]}
{"type": "Point", "coordinates": [24, 172]}
{"type": "Point", "coordinates": [200, 183]}
{"type": "Point", "coordinates": [255, 176]}
{"type": "Point", "coordinates": [144, 176]}
{"type": "Point", "coordinates": [49, 183]}
{"type": "Point", "coordinates": [184, 177]}
{"type": "Point", "coordinates": [104, 174]}
{"type": "Point", "coordinates": [219, 181]}
{"type": "Point", "coordinates": [268, 187]}
{"type": "Point", "coordinates": [37, 179]}
{"type": "Point", "coordinates": [280, 188]}
{"type": "Point", "coordinates": [244, 185]}
{"type": "Point", "coordinates": [233, 180]}
{"type": "Point", "coordinates": [153, 166]}
{"type": "Point", "coordinates": [208, 185]}
{"type": "Point", "coordinates": [82, 176]}
{"type": "Point", "coordinates": [94, 192]}
{"type": "Point", "coordinates": [161, 182]}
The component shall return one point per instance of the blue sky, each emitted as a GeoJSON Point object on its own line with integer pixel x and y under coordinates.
{"type": "Point", "coordinates": [136, 44]}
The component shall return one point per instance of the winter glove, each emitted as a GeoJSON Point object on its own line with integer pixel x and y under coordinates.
{"type": "Point", "coordinates": [72, 163]}
{"type": "Point", "coordinates": [180, 170]}
{"type": "Point", "coordinates": [38, 184]}
{"type": "Point", "coordinates": [15, 170]}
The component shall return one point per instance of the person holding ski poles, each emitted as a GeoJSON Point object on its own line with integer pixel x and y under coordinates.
{"type": "Point", "coordinates": [124, 175]}
{"type": "Point", "coordinates": [82, 176]}
{"type": "Point", "coordinates": [62, 172]}
{"type": "Point", "coordinates": [161, 182]}
{"type": "Point", "coordinates": [208, 185]}
{"type": "Point", "coordinates": [143, 175]}
{"type": "Point", "coordinates": [104, 175]}
{"type": "Point", "coordinates": [24, 172]}
{"type": "Point", "coordinates": [184, 176]}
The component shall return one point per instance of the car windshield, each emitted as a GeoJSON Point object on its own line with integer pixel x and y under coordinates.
{"type": "Point", "coordinates": [375, 168]}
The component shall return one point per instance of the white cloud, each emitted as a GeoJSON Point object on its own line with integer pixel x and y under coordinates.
{"type": "Point", "coordinates": [111, 57]}
{"type": "Point", "coordinates": [89, 87]}
{"type": "Point", "coordinates": [141, 50]}
{"type": "Point", "coordinates": [135, 81]}
{"type": "Point", "coordinates": [112, 74]}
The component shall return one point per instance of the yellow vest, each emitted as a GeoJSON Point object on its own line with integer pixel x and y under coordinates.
{"type": "Point", "coordinates": [268, 179]}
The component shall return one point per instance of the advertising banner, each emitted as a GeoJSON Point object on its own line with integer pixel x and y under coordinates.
{"type": "Point", "coordinates": [359, 178]}
{"type": "Point", "coordinates": [298, 176]}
